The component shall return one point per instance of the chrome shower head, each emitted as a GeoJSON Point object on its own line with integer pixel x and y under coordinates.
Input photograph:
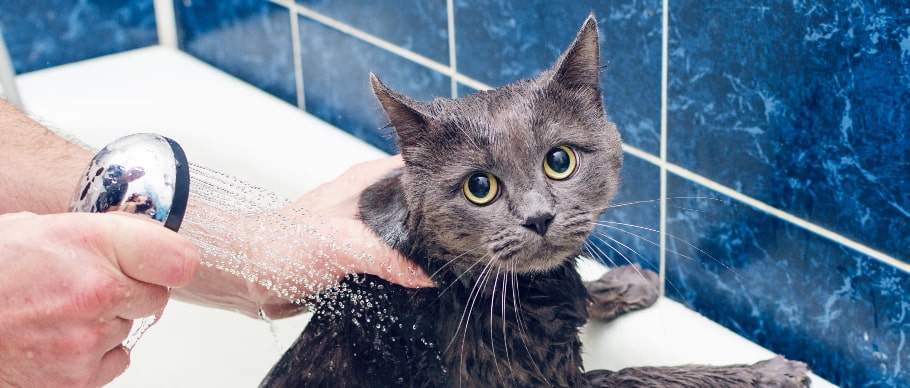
{"type": "Point", "coordinates": [143, 174]}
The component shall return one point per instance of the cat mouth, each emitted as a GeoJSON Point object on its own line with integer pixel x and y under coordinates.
{"type": "Point", "coordinates": [522, 250]}
{"type": "Point", "coordinates": [537, 256]}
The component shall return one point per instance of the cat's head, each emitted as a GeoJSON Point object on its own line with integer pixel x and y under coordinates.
{"type": "Point", "coordinates": [514, 176]}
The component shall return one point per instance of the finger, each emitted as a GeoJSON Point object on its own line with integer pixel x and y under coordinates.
{"type": "Point", "coordinates": [118, 329]}
{"type": "Point", "coordinates": [364, 174]}
{"type": "Point", "coordinates": [408, 274]}
{"type": "Point", "coordinates": [144, 300]}
{"type": "Point", "coordinates": [113, 364]}
{"type": "Point", "coordinates": [15, 216]}
{"type": "Point", "coordinates": [150, 253]}
{"type": "Point", "coordinates": [388, 264]}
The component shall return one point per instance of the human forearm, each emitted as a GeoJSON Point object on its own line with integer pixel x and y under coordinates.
{"type": "Point", "coordinates": [320, 244]}
{"type": "Point", "coordinates": [287, 252]}
{"type": "Point", "coordinates": [38, 169]}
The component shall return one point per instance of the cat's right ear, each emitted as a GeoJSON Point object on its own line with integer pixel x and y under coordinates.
{"type": "Point", "coordinates": [404, 113]}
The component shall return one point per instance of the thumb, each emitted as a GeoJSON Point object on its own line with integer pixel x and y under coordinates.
{"type": "Point", "coordinates": [391, 266]}
{"type": "Point", "coordinates": [387, 263]}
{"type": "Point", "coordinates": [150, 253]}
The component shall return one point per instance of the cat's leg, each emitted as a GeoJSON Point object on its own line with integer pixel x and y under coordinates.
{"type": "Point", "coordinates": [776, 372]}
{"type": "Point", "coordinates": [621, 290]}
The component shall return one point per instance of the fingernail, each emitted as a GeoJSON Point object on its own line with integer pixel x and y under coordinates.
{"type": "Point", "coordinates": [423, 280]}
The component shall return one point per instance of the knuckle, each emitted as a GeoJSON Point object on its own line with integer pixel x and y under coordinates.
{"type": "Point", "coordinates": [77, 379]}
{"type": "Point", "coordinates": [101, 292]}
{"type": "Point", "coordinates": [82, 343]}
{"type": "Point", "coordinates": [83, 231]}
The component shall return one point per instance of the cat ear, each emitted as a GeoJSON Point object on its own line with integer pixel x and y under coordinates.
{"type": "Point", "coordinates": [404, 113]}
{"type": "Point", "coordinates": [579, 65]}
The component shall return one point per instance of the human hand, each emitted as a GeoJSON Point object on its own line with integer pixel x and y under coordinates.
{"type": "Point", "coordinates": [286, 255]}
{"type": "Point", "coordinates": [339, 199]}
{"type": "Point", "coordinates": [336, 204]}
{"type": "Point", "coordinates": [72, 284]}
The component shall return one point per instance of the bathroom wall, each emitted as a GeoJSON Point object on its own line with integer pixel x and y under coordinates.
{"type": "Point", "coordinates": [46, 33]}
{"type": "Point", "coordinates": [767, 165]}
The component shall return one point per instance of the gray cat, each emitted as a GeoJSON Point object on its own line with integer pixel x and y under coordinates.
{"type": "Point", "coordinates": [498, 193]}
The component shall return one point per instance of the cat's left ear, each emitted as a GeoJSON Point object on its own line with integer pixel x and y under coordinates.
{"type": "Point", "coordinates": [579, 65]}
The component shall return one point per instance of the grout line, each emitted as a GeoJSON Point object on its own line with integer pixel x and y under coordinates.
{"type": "Point", "coordinates": [385, 45]}
{"type": "Point", "coordinates": [298, 60]}
{"type": "Point", "coordinates": [8, 88]}
{"type": "Point", "coordinates": [453, 63]}
{"type": "Point", "coordinates": [472, 83]}
{"type": "Point", "coordinates": [783, 215]}
{"type": "Point", "coordinates": [659, 161]}
{"type": "Point", "coordinates": [641, 154]}
{"type": "Point", "coordinates": [664, 70]}
{"type": "Point", "coordinates": [166, 23]}
{"type": "Point", "coordinates": [763, 207]}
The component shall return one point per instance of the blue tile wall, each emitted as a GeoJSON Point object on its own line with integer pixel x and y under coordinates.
{"type": "Point", "coordinates": [250, 39]}
{"type": "Point", "coordinates": [498, 42]}
{"type": "Point", "coordinates": [46, 33]}
{"type": "Point", "coordinates": [797, 107]}
{"type": "Point", "coordinates": [629, 230]}
{"type": "Point", "coordinates": [336, 71]}
{"type": "Point", "coordinates": [813, 98]}
{"type": "Point", "coordinates": [844, 313]}
{"type": "Point", "coordinates": [419, 26]}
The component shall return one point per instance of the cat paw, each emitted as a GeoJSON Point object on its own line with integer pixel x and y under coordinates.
{"type": "Point", "coordinates": [621, 290]}
{"type": "Point", "coordinates": [781, 372]}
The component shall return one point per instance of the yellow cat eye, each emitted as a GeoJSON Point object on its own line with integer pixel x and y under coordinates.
{"type": "Point", "coordinates": [481, 188]}
{"type": "Point", "coordinates": [560, 162]}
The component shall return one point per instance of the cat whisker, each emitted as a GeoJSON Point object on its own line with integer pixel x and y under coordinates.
{"type": "Point", "coordinates": [612, 225]}
{"type": "Point", "coordinates": [492, 306]}
{"type": "Point", "coordinates": [502, 314]}
{"type": "Point", "coordinates": [630, 203]}
{"type": "Point", "coordinates": [450, 262]}
{"type": "Point", "coordinates": [600, 237]}
{"type": "Point", "coordinates": [465, 272]}
{"type": "Point", "coordinates": [476, 290]}
{"type": "Point", "coordinates": [519, 321]}
{"type": "Point", "coordinates": [472, 299]}
{"type": "Point", "coordinates": [627, 259]}
{"type": "Point", "coordinates": [595, 251]}
{"type": "Point", "coordinates": [620, 253]}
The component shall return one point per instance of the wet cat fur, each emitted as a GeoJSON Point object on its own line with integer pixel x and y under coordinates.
{"type": "Point", "coordinates": [509, 301]}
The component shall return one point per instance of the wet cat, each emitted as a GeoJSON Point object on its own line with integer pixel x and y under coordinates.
{"type": "Point", "coordinates": [498, 193]}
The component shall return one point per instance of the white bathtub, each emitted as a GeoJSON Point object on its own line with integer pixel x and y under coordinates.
{"type": "Point", "coordinates": [226, 124]}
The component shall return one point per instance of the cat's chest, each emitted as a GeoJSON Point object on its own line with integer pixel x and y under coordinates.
{"type": "Point", "coordinates": [503, 333]}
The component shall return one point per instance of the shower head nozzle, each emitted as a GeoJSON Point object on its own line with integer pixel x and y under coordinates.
{"type": "Point", "coordinates": [143, 174]}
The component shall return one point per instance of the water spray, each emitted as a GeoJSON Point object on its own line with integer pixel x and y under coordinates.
{"type": "Point", "coordinates": [238, 228]}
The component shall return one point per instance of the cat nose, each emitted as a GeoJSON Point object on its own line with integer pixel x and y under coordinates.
{"type": "Point", "coordinates": [539, 222]}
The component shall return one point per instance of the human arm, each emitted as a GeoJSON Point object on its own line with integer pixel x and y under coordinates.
{"type": "Point", "coordinates": [328, 241]}
{"type": "Point", "coordinates": [71, 283]}
{"type": "Point", "coordinates": [39, 171]}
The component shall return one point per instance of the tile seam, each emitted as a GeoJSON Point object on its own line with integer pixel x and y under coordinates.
{"type": "Point", "coordinates": [768, 209]}
{"type": "Point", "coordinates": [369, 38]}
{"type": "Point", "coordinates": [295, 51]}
{"type": "Point", "coordinates": [453, 62]}
{"type": "Point", "coordinates": [166, 23]}
{"type": "Point", "coordinates": [8, 88]}
{"type": "Point", "coordinates": [662, 217]}
{"type": "Point", "coordinates": [298, 60]}
{"type": "Point", "coordinates": [384, 44]}
{"type": "Point", "coordinates": [790, 218]}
